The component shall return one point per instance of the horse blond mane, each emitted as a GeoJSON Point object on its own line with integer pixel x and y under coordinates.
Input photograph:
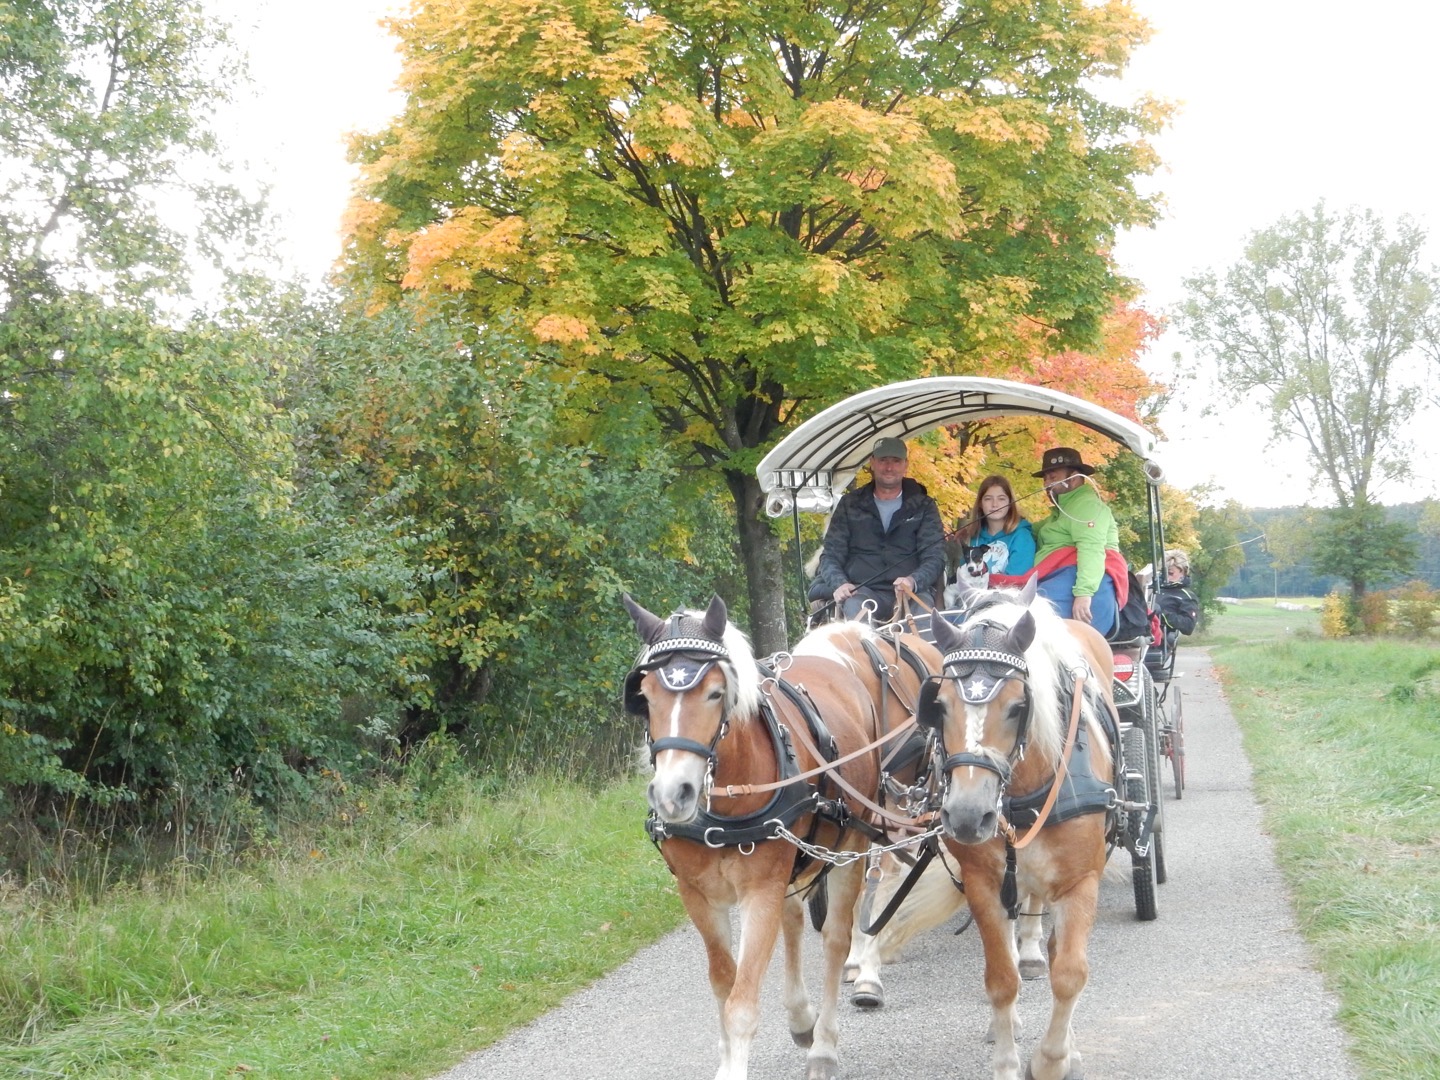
{"type": "Point", "coordinates": [1053, 657]}
{"type": "Point", "coordinates": [742, 674]}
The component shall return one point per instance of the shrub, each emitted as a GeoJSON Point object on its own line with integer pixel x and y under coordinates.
{"type": "Point", "coordinates": [1336, 617]}
{"type": "Point", "coordinates": [1417, 609]}
{"type": "Point", "coordinates": [1374, 613]}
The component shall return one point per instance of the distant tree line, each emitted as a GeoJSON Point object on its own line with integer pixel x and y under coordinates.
{"type": "Point", "coordinates": [1280, 557]}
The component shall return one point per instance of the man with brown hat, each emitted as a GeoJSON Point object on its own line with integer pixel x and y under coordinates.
{"type": "Point", "coordinates": [1082, 585]}
{"type": "Point", "coordinates": [883, 536]}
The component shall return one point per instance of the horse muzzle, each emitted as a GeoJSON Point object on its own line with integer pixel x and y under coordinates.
{"type": "Point", "coordinates": [970, 811]}
{"type": "Point", "coordinates": [678, 787]}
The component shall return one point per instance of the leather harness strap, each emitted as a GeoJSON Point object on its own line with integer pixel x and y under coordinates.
{"type": "Point", "coordinates": [1060, 770]}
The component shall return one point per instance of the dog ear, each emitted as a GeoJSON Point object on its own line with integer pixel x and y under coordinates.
{"type": "Point", "coordinates": [648, 626]}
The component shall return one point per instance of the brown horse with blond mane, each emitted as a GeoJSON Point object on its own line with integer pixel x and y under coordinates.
{"type": "Point", "coordinates": [757, 771]}
{"type": "Point", "coordinates": [1028, 731]}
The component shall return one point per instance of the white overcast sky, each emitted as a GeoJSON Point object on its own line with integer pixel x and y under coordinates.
{"type": "Point", "coordinates": [1281, 103]}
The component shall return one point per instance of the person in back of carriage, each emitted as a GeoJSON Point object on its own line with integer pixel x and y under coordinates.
{"type": "Point", "coordinates": [995, 522]}
{"type": "Point", "coordinates": [1079, 565]}
{"type": "Point", "coordinates": [1175, 603]}
{"type": "Point", "coordinates": [884, 535]}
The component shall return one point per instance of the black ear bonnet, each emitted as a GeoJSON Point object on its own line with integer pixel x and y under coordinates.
{"type": "Point", "coordinates": [979, 658]}
{"type": "Point", "coordinates": [680, 654]}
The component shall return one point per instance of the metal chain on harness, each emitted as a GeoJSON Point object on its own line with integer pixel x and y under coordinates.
{"type": "Point", "coordinates": [845, 858]}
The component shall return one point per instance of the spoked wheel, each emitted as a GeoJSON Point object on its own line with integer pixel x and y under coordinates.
{"type": "Point", "coordinates": [1142, 867]}
{"type": "Point", "coordinates": [1151, 720]}
{"type": "Point", "coordinates": [1176, 750]}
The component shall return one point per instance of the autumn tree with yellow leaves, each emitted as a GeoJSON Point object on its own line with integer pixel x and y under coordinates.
{"type": "Point", "coordinates": [743, 211]}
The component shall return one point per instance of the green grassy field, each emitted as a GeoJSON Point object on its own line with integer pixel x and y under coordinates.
{"type": "Point", "coordinates": [431, 924]}
{"type": "Point", "coordinates": [387, 949]}
{"type": "Point", "coordinates": [1344, 738]}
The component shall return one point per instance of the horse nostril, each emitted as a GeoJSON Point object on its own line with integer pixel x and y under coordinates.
{"type": "Point", "coordinates": [987, 823]}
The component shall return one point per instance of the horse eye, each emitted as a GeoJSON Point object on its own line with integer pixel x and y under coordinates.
{"type": "Point", "coordinates": [716, 694]}
{"type": "Point", "coordinates": [1016, 710]}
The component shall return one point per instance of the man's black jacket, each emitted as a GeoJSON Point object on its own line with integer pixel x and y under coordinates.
{"type": "Point", "coordinates": [859, 550]}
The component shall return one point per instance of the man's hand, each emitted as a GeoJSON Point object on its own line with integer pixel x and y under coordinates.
{"type": "Point", "coordinates": [906, 583]}
{"type": "Point", "coordinates": [844, 592]}
{"type": "Point", "coordinates": [1081, 610]}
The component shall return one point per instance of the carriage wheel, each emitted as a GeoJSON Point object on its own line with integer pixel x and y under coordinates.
{"type": "Point", "coordinates": [1177, 745]}
{"type": "Point", "coordinates": [1152, 723]}
{"type": "Point", "coordinates": [1142, 867]}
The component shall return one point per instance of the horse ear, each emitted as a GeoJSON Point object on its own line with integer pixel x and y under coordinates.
{"type": "Point", "coordinates": [649, 626]}
{"type": "Point", "coordinates": [1021, 634]}
{"type": "Point", "coordinates": [1027, 594]}
{"type": "Point", "coordinates": [715, 619]}
{"type": "Point", "coordinates": [945, 634]}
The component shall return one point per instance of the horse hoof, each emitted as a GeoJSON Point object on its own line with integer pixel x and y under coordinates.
{"type": "Point", "coordinates": [1032, 969]}
{"type": "Point", "coordinates": [824, 1068]}
{"type": "Point", "coordinates": [1075, 1073]}
{"type": "Point", "coordinates": [803, 1039]}
{"type": "Point", "coordinates": [867, 995]}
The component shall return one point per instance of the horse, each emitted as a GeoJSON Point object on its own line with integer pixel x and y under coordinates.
{"type": "Point", "coordinates": [894, 665]}
{"type": "Point", "coordinates": [1016, 677]}
{"type": "Point", "coordinates": [734, 747]}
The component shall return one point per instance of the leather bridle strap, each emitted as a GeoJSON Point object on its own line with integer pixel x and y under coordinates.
{"type": "Point", "coordinates": [1060, 771]}
{"type": "Point", "coordinates": [732, 790]}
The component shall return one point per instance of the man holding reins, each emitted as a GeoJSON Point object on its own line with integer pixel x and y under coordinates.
{"type": "Point", "coordinates": [883, 536]}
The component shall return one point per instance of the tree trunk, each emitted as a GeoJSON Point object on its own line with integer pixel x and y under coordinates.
{"type": "Point", "coordinates": [764, 565]}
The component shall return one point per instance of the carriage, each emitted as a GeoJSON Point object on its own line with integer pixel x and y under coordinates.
{"type": "Point", "coordinates": [811, 468]}
{"type": "Point", "coordinates": [771, 773]}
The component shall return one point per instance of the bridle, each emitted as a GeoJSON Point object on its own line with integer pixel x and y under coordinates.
{"type": "Point", "coordinates": [680, 662]}
{"type": "Point", "coordinates": [979, 670]}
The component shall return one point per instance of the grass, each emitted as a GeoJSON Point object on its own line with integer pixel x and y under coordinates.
{"type": "Point", "coordinates": [387, 950]}
{"type": "Point", "coordinates": [1344, 737]}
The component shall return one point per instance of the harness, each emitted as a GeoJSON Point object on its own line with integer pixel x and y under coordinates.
{"type": "Point", "coordinates": [979, 669]}
{"type": "Point", "coordinates": [681, 659]}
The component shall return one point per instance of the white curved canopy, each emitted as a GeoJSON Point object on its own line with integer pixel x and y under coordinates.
{"type": "Point", "coordinates": [811, 467]}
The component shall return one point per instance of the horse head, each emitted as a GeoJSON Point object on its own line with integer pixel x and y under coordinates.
{"type": "Point", "coordinates": [981, 708]}
{"type": "Point", "coordinates": [694, 674]}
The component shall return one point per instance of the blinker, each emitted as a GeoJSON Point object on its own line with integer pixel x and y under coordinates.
{"type": "Point", "coordinates": [681, 673]}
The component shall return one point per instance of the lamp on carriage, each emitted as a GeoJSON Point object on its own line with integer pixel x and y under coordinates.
{"type": "Point", "coordinates": [1153, 471]}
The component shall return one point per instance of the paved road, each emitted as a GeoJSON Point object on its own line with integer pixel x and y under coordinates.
{"type": "Point", "coordinates": [1220, 986]}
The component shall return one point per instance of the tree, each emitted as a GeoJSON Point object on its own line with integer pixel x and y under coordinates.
{"type": "Point", "coordinates": [739, 213]}
{"type": "Point", "coordinates": [104, 111]}
{"type": "Point", "coordinates": [1322, 321]}
{"type": "Point", "coordinates": [176, 613]}
{"type": "Point", "coordinates": [528, 537]}
{"type": "Point", "coordinates": [1218, 553]}
{"type": "Point", "coordinates": [1360, 545]}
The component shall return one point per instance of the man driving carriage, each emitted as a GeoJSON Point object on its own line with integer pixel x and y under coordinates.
{"type": "Point", "coordinates": [883, 536]}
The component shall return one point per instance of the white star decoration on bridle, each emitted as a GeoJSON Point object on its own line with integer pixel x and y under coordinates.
{"type": "Point", "coordinates": [675, 676]}
{"type": "Point", "coordinates": [977, 686]}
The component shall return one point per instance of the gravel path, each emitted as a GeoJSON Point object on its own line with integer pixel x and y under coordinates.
{"type": "Point", "coordinates": [1220, 986]}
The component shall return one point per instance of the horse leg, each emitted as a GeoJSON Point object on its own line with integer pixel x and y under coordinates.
{"type": "Point", "coordinates": [1031, 929]}
{"type": "Point", "coordinates": [1055, 1056]}
{"type": "Point", "coordinates": [797, 997]}
{"type": "Point", "coordinates": [823, 1062]}
{"type": "Point", "coordinates": [931, 902]}
{"type": "Point", "coordinates": [1002, 974]}
{"type": "Point", "coordinates": [712, 920]}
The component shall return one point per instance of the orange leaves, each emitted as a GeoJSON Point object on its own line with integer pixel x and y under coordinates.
{"type": "Point", "coordinates": [448, 255]}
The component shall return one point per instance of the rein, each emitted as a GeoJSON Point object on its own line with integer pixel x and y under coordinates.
{"type": "Point", "coordinates": [1060, 770]}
